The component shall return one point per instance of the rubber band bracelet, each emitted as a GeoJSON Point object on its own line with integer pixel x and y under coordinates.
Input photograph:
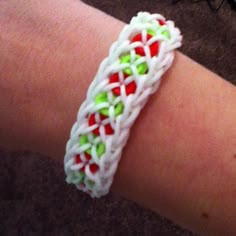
{"type": "Point", "coordinates": [124, 81]}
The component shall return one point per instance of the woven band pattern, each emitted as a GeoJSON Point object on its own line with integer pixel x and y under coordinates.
{"type": "Point", "coordinates": [124, 81]}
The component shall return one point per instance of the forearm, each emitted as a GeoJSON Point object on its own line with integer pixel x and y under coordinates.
{"type": "Point", "coordinates": [183, 145]}
{"type": "Point", "coordinates": [43, 56]}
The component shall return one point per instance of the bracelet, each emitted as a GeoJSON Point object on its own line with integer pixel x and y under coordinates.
{"type": "Point", "coordinates": [124, 81]}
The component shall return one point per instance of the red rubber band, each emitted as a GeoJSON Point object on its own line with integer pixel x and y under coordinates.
{"type": "Point", "coordinates": [107, 127]}
{"type": "Point", "coordinates": [161, 22]}
{"type": "Point", "coordinates": [129, 88]}
{"type": "Point", "coordinates": [154, 47]}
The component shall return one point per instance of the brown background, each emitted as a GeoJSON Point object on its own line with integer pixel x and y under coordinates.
{"type": "Point", "coordinates": [34, 198]}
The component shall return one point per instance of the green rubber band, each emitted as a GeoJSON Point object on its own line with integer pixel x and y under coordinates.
{"type": "Point", "coordinates": [165, 33]}
{"type": "Point", "coordinates": [141, 68]}
{"type": "Point", "coordinates": [100, 148]}
{"type": "Point", "coordinates": [119, 107]}
{"type": "Point", "coordinates": [151, 32]}
{"type": "Point", "coordinates": [83, 139]}
{"type": "Point", "coordinates": [102, 97]}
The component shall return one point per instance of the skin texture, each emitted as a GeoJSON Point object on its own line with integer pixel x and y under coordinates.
{"type": "Point", "coordinates": [182, 147]}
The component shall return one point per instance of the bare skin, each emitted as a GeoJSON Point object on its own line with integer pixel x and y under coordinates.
{"type": "Point", "coordinates": [180, 160]}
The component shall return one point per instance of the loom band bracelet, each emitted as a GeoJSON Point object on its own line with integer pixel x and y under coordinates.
{"type": "Point", "coordinates": [115, 143]}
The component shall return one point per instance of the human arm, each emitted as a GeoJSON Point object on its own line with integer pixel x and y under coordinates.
{"type": "Point", "coordinates": [185, 165]}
